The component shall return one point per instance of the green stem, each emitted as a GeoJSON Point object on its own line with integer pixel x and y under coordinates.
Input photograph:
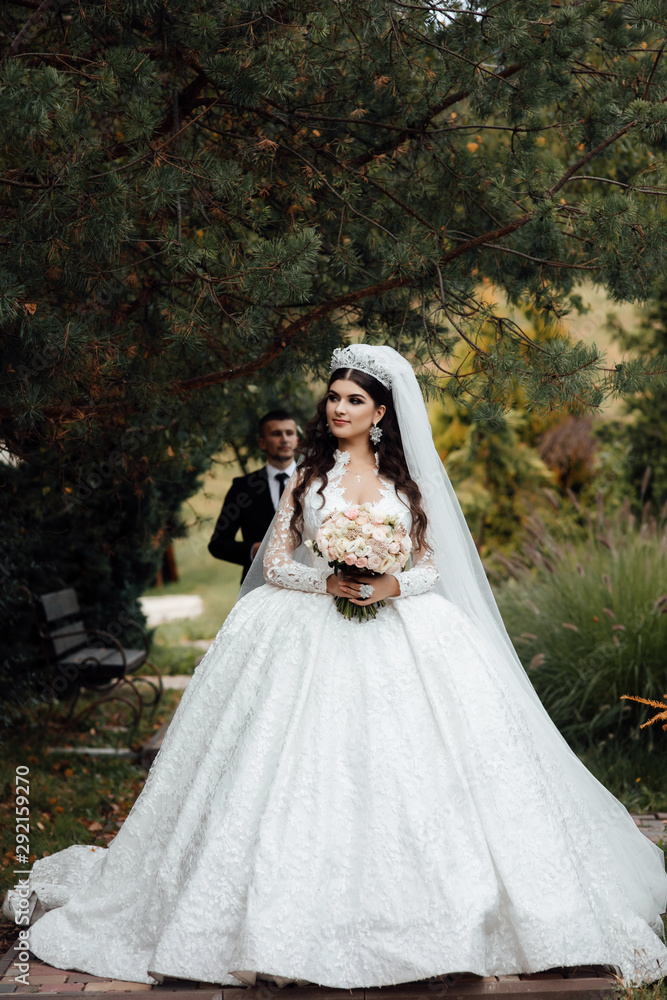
{"type": "Point", "coordinates": [364, 612]}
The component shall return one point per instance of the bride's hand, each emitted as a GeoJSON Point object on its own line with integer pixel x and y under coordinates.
{"type": "Point", "coordinates": [348, 586]}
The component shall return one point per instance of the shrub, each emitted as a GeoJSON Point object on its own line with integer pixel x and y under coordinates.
{"type": "Point", "coordinates": [589, 622]}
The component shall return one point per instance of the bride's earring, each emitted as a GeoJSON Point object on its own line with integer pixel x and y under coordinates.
{"type": "Point", "coordinates": [375, 434]}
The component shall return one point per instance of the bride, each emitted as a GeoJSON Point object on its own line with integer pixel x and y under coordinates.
{"type": "Point", "coordinates": [359, 803]}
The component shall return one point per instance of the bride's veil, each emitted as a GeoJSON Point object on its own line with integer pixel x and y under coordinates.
{"type": "Point", "coordinates": [463, 582]}
{"type": "Point", "coordinates": [255, 576]}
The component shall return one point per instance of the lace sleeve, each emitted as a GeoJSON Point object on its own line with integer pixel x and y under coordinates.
{"type": "Point", "coordinates": [280, 569]}
{"type": "Point", "coordinates": [420, 578]}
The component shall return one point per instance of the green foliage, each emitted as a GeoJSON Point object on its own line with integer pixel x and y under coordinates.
{"type": "Point", "coordinates": [649, 991]}
{"type": "Point", "coordinates": [105, 536]}
{"type": "Point", "coordinates": [499, 478]}
{"type": "Point", "coordinates": [647, 434]}
{"type": "Point", "coordinates": [633, 771]}
{"type": "Point", "coordinates": [507, 467]}
{"type": "Point", "coordinates": [589, 622]}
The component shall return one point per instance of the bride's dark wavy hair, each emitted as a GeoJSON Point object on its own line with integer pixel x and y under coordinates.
{"type": "Point", "coordinates": [319, 446]}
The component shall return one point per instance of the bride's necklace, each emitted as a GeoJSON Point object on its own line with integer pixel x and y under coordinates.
{"type": "Point", "coordinates": [357, 475]}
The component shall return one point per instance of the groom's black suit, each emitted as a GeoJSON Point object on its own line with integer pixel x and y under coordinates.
{"type": "Point", "coordinates": [247, 506]}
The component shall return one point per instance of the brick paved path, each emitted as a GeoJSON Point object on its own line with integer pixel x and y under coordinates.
{"type": "Point", "coordinates": [586, 983]}
{"type": "Point", "coordinates": [653, 825]}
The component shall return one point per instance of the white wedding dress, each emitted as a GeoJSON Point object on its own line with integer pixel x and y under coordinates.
{"type": "Point", "coordinates": [353, 804]}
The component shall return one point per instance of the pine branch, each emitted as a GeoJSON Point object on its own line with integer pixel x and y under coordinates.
{"type": "Point", "coordinates": [426, 120]}
{"type": "Point", "coordinates": [39, 13]}
{"type": "Point", "coordinates": [610, 180]}
{"type": "Point", "coordinates": [652, 73]}
{"type": "Point", "coordinates": [600, 148]}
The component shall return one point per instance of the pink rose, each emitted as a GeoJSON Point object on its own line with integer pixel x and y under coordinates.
{"type": "Point", "coordinates": [363, 518]}
{"type": "Point", "coordinates": [379, 534]}
{"type": "Point", "coordinates": [350, 558]}
{"type": "Point", "coordinates": [352, 513]}
{"type": "Point", "coordinates": [361, 562]}
{"type": "Point", "coordinates": [378, 519]}
{"type": "Point", "coordinates": [394, 548]}
{"type": "Point", "coordinates": [374, 562]}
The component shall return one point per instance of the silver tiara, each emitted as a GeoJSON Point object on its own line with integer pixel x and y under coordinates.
{"type": "Point", "coordinates": [360, 356]}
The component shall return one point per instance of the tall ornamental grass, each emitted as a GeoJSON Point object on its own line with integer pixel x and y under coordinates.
{"type": "Point", "coordinates": [589, 622]}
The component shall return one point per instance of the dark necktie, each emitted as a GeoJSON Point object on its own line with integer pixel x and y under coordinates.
{"type": "Point", "coordinates": [281, 479]}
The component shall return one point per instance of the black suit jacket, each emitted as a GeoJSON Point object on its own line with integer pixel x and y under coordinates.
{"type": "Point", "coordinates": [247, 506]}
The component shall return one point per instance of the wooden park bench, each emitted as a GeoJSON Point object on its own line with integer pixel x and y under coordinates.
{"type": "Point", "coordinates": [80, 658]}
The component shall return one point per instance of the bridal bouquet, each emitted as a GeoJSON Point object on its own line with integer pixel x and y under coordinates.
{"type": "Point", "coordinates": [362, 540]}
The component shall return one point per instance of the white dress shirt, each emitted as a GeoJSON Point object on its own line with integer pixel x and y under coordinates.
{"type": "Point", "coordinates": [274, 485]}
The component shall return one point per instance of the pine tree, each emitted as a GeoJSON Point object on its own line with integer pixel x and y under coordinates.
{"type": "Point", "coordinates": [199, 197]}
{"type": "Point", "coordinates": [193, 191]}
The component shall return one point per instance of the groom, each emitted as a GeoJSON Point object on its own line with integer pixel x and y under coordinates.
{"type": "Point", "coordinates": [253, 500]}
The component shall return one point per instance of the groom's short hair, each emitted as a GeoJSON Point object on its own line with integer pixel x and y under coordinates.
{"type": "Point", "coordinates": [274, 415]}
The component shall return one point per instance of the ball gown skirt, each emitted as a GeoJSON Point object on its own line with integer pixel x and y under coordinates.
{"type": "Point", "coordinates": [355, 804]}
